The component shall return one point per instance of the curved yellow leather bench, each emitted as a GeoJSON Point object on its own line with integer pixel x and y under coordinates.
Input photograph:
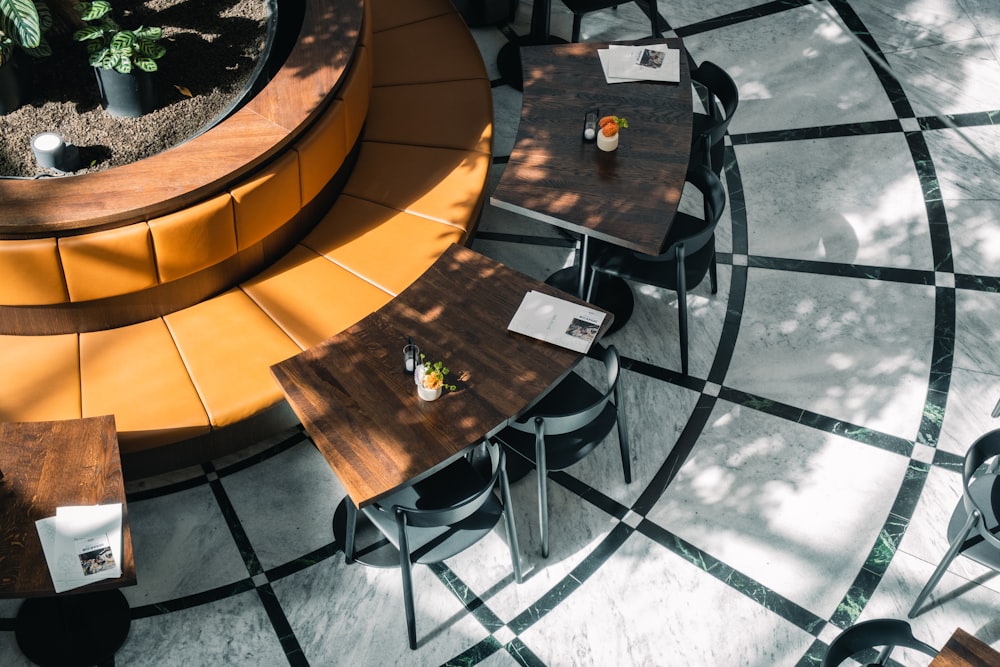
{"type": "Point", "coordinates": [172, 323]}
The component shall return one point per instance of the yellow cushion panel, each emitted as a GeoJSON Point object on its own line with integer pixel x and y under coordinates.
{"type": "Point", "coordinates": [228, 345]}
{"type": "Point", "coordinates": [355, 93]}
{"type": "Point", "coordinates": [108, 263]}
{"type": "Point", "coordinates": [41, 378]}
{"type": "Point", "coordinates": [267, 200]}
{"type": "Point", "coordinates": [381, 244]}
{"type": "Point", "coordinates": [30, 273]}
{"type": "Point", "coordinates": [136, 374]}
{"type": "Point", "coordinates": [440, 183]}
{"type": "Point", "coordinates": [392, 13]}
{"type": "Point", "coordinates": [438, 49]}
{"type": "Point", "coordinates": [449, 114]}
{"type": "Point", "coordinates": [322, 150]}
{"type": "Point", "coordinates": [312, 298]}
{"type": "Point", "coordinates": [194, 238]}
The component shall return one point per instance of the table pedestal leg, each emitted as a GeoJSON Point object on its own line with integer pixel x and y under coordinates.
{"type": "Point", "coordinates": [370, 545]}
{"type": "Point", "coordinates": [509, 57]}
{"type": "Point", "coordinates": [70, 630]}
{"type": "Point", "coordinates": [613, 294]}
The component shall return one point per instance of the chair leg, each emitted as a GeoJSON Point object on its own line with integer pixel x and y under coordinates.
{"type": "Point", "coordinates": [623, 442]}
{"type": "Point", "coordinates": [949, 556]}
{"type": "Point", "coordinates": [352, 524]}
{"type": "Point", "coordinates": [508, 516]}
{"type": "Point", "coordinates": [406, 569]}
{"type": "Point", "coordinates": [654, 18]}
{"type": "Point", "coordinates": [682, 320]}
{"type": "Point", "coordinates": [713, 274]}
{"type": "Point", "coordinates": [592, 287]}
{"type": "Point", "coordinates": [543, 492]}
{"type": "Point", "coordinates": [577, 20]}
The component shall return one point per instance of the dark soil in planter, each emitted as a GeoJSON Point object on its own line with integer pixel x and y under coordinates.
{"type": "Point", "coordinates": [213, 49]}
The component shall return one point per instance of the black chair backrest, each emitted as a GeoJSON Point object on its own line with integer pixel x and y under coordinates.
{"type": "Point", "coordinates": [869, 634]}
{"type": "Point", "coordinates": [720, 86]}
{"type": "Point", "coordinates": [714, 197]}
{"type": "Point", "coordinates": [986, 447]}
{"type": "Point", "coordinates": [447, 516]}
{"type": "Point", "coordinates": [566, 423]}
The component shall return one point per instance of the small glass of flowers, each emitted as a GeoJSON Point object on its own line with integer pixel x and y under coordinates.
{"type": "Point", "coordinates": [429, 377]}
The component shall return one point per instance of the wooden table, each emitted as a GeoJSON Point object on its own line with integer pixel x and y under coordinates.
{"type": "Point", "coordinates": [964, 650]}
{"type": "Point", "coordinates": [48, 465]}
{"type": "Point", "coordinates": [361, 408]}
{"type": "Point", "coordinates": [627, 197]}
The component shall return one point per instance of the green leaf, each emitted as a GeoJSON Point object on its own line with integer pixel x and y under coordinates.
{"type": "Point", "coordinates": [22, 17]}
{"type": "Point", "coordinates": [152, 33]}
{"type": "Point", "coordinates": [146, 64]}
{"type": "Point", "coordinates": [90, 32]}
{"type": "Point", "coordinates": [92, 11]}
{"type": "Point", "coordinates": [151, 50]}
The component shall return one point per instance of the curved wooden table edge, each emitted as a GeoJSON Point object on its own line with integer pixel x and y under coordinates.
{"type": "Point", "coordinates": [208, 163]}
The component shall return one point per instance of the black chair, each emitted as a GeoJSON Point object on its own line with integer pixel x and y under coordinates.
{"type": "Point", "coordinates": [690, 253]}
{"type": "Point", "coordinates": [565, 426]}
{"type": "Point", "coordinates": [441, 516]}
{"type": "Point", "coordinates": [708, 130]}
{"type": "Point", "coordinates": [887, 632]}
{"type": "Point", "coordinates": [974, 528]}
{"type": "Point", "coordinates": [581, 7]}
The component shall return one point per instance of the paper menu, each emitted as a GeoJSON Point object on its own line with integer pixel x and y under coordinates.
{"type": "Point", "coordinates": [82, 544]}
{"type": "Point", "coordinates": [653, 62]}
{"type": "Point", "coordinates": [557, 321]}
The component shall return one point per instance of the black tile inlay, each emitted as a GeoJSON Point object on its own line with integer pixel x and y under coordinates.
{"type": "Point", "coordinates": [977, 283]}
{"type": "Point", "coordinates": [282, 628]}
{"type": "Point", "coordinates": [472, 602]}
{"type": "Point", "coordinates": [818, 132]}
{"type": "Point", "coordinates": [189, 601]}
{"type": "Point", "coordinates": [893, 89]}
{"type": "Point", "coordinates": [950, 121]}
{"type": "Point", "coordinates": [734, 18]}
{"type": "Point", "coordinates": [883, 273]}
{"type": "Point", "coordinates": [475, 654]}
{"type": "Point", "coordinates": [551, 599]}
{"type": "Point", "coordinates": [762, 595]}
{"type": "Point", "coordinates": [523, 655]}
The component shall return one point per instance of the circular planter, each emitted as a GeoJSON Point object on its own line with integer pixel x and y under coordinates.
{"type": "Point", "coordinates": [428, 394]}
{"type": "Point", "coordinates": [128, 95]}
{"type": "Point", "coordinates": [607, 143]}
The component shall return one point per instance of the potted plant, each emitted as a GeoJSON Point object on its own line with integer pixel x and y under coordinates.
{"type": "Point", "coordinates": [607, 135]}
{"type": "Point", "coordinates": [23, 24]}
{"type": "Point", "coordinates": [429, 377]}
{"type": "Point", "coordinates": [123, 60]}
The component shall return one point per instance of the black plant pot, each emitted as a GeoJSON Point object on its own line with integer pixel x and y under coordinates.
{"type": "Point", "coordinates": [10, 88]}
{"type": "Point", "coordinates": [128, 95]}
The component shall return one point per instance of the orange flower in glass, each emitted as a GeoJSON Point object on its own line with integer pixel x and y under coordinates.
{"type": "Point", "coordinates": [433, 375]}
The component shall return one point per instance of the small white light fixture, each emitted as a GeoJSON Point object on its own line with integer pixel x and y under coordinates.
{"type": "Point", "coordinates": [51, 152]}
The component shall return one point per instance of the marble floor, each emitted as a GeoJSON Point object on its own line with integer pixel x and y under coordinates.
{"type": "Point", "coordinates": [799, 480]}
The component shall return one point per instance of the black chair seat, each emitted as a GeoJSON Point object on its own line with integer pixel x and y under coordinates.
{"type": "Point", "coordinates": [565, 426]}
{"type": "Point", "coordinates": [867, 635]}
{"type": "Point", "coordinates": [985, 491]}
{"type": "Point", "coordinates": [708, 130]}
{"type": "Point", "coordinates": [688, 258]}
{"type": "Point", "coordinates": [973, 529]}
{"type": "Point", "coordinates": [581, 7]}
{"type": "Point", "coordinates": [441, 516]}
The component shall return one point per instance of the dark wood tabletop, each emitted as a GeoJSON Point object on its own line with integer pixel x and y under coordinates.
{"type": "Point", "coordinates": [964, 650]}
{"type": "Point", "coordinates": [48, 465]}
{"type": "Point", "coordinates": [360, 407]}
{"type": "Point", "coordinates": [627, 197]}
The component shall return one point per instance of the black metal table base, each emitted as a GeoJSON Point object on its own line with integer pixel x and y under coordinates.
{"type": "Point", "coordinates": [370, 545]}
{"type": "Point", "coordinates": [613, 294]}
{"type": "Point", "coordinates": [73, 630]}
{"type": "Point", "coordinates": [509, 58]}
